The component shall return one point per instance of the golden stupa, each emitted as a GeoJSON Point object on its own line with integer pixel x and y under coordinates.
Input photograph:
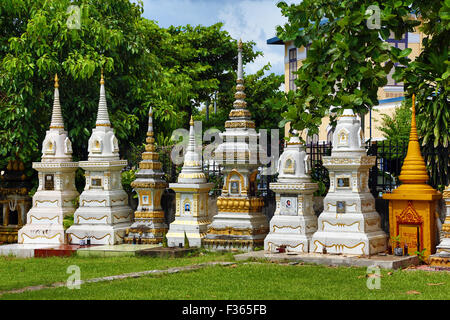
{"type": "Point", "coordinates": [413, 204]}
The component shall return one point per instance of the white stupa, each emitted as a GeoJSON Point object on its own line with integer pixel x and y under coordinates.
{"type": "Point", "coordinates": [103, 215]}
{"type": "Point", "coordinates": [56, 192]}
{"type": "Point", "coordinates": [349, 223]}
{"type": "Point", "coordinates": [191, 216]}
{"type": "Point", "coordinates": [294, 222]}
{"type": "Point", "coordinates": [239, 222]}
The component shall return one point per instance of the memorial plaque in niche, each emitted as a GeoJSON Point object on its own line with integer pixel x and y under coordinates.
{"type": "Point", "coordinates": [49, 182]}
{"type": "Point", "coordinates": [340, 206]}
{"type": "Point", "coordinates": [234, 187]}
{"type": "Point", "coordinates": [288, 206]}
{"type": "Point", "coordinates": [96, 182]}
{"type": "Point", "coordinates": [411, 235]}
{"type": "Point", "coordinates": [342, 182]}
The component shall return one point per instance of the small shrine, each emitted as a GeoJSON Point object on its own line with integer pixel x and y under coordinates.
{"type": "Point", "coordinates": [103, 215]}
{"type": "Point", "coordinates": [413, 204]}
{"type": "Point", "coordinates": [349, 223]}
{"type": "Point", "coordinates": [56, 192]}
{"type": "Point", "coordinates": [239, 222]}
{"type": "Point", "coordinates": [192, 190]}
{"type": "Point", "coordinates": [149, 226]}
{"type": "Point", "coordinates": [14, 200]}
{"type": "Point", "coordinates": [442, 256]}
{"type": "Point", "coordinates": [294, 221]}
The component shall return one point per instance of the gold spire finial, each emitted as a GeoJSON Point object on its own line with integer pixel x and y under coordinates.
{"type": "Point", "coordinates": [191, 122]}
{"type": "Point", "coordinates": [240, 44]}
{"type": "Point", "coordinates": [102, 79]}
{"type": "Point", "coordinates": [56, 81]}
{"type": "Point", "coordinates": [413, 170]}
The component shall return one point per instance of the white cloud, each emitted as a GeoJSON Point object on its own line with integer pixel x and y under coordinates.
{"type": "Point", "coordinates": [251, 20]}
{"type": "Point", "coordinates": [256, 21]}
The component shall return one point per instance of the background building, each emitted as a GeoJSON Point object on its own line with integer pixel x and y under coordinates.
{"type": "Point", "coordinates": [389, 97]}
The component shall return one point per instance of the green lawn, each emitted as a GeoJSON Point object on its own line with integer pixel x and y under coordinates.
{"type": "Point", "coordinates": [17, 272]}
{"type": "Point", "coordinates": [245, 281]}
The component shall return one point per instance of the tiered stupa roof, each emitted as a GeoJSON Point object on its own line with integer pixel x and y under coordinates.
{"type": "Point", "coordinates": [192, 168]}
{"type": "Point", "coordinates": [56, 146]}
{"type": "Point", "coordinates": [103, 144]}
{"type": "Point", "coordinates": [150, 174]}
{"type": "Point", "coordinates": [240, 138]}
{"type": "Point", "coordinates": [414, 173]}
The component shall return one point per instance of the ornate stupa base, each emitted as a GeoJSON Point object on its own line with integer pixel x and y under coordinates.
{"type": "Point", "coordinates": [356, 243]}
{"type": "Point", "coordinates": [102, 225]}
{"type": "Point", "coordinates": [242, 231]}
{"type": "Point", "coordinates": [194, 229]}
{"type": "Point", "coordinates": [9, 234]}
{"type": "Point", "coordinates": [230, 243]}
{"type": "Point", "coordinates": [45, 219]}
{"type": "Point", "coordinates": [147, 231]}
{"type": "Point", "coordinates": [293, 232]}
{"type": "Point", "coordinates": [349, 233]}
{"type": "Point", "coordinates": [195, 233]}
{"type": "Point", "coordinates": [42, 232]}
{"type": "Point", "coordinates": [98, 234]}
{"type": "Point", "coordinates": [441, 258]}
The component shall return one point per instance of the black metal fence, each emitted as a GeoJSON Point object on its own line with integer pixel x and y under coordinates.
{"type": "Point", "coordinates": [383, 176]}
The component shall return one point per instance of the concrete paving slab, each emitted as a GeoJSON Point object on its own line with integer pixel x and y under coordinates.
{"type": "Point", "coordinates": [384, 262]}
{"type": "Point", "coordinates": [122, 250]}
{"type": "Point", "coordinates": [23, 250]}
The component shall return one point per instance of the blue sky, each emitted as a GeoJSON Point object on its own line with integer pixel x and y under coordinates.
{"type": "Point", "coordinates": [254, 20]}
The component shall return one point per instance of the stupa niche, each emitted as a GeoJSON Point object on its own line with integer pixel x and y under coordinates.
{"type": "Point", "coordinates": [191, 216]}
{"type": "Point", "coordinates": [14, 200]}
{"type": "Point", "coordinates": [103, 215]}
{"type": "Point", "coordinates": [54, 197]}
{"type": "Point", "coordinates": [349, 223]}
{"type": "Point", "coordinates": [294, 222]}
{"type": "Point", "coordinates": [149, 226]}
{"type": "Point", "coordinates": [239, 221]}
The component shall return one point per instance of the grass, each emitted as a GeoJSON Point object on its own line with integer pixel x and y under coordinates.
{"type": "Point", "coordinates": [18, 272]}
{"type": "Point", "coordinates": [255, 281]}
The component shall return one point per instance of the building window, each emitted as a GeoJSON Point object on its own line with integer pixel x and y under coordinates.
{"type": "Point", "coordinates": [400, 44]}
{"type": "Point", "coordinates": [314, 139]}
{"type": "Point", "coordinates": [330, 135]}
{"type": "Point", "coordinates": [292, 68]}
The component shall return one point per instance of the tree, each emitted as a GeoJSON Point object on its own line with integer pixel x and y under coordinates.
{"type": "Point", "coordinates": [347, 61]}
{"type": "Point", "coordinates": [396, 129]}
{"type": "Point", "coordinates": [263, 97]}
{"type": "Point", "coordinates": [170, 69]}
{"type": "Point", "coordinates": [113, 36]}
{"type": "Point", "coordinates": [429, 78]}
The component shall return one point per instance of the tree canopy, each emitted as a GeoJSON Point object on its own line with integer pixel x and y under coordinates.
{"type": "Point", "coordinates": [173, 69]}
{"type": "Point", "coordinates": [347, 62]}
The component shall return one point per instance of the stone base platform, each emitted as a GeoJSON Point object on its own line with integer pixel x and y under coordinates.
{"type": "Point", "coordinates": [440, 260]}
{"type": "Point", "coordinates": [121, 250]}
{"type": "Point", "coordinates": [385, 262]}
{"type": "Point", "coordinates": [38, 250]}
{"type": "Point", "coordinates": [172, 252]}
{"type": "Point", "coordinates": [232, 243]}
